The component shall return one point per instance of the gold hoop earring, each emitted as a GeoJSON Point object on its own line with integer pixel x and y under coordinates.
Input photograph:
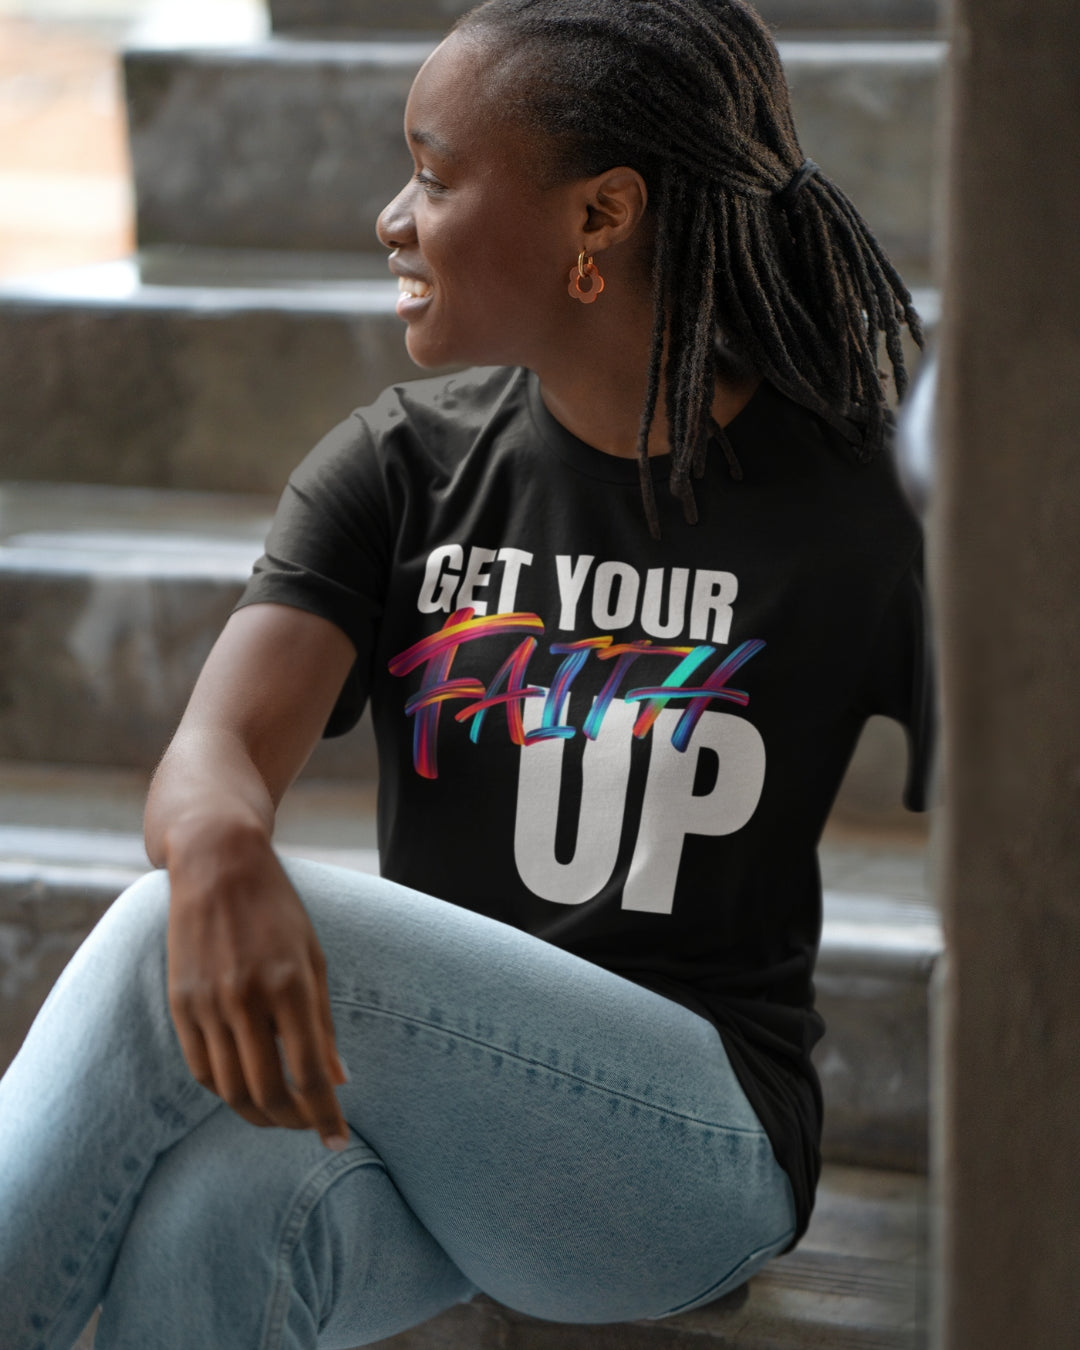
{"type": "Point", "coordinates": [586, 270]}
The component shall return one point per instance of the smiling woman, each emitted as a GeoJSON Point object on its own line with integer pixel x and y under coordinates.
{"type": "Point", "coordinates": [621, 596]}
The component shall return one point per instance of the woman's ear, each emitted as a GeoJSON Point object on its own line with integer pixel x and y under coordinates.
{"type": "Point", "coordinates": [616, 202]}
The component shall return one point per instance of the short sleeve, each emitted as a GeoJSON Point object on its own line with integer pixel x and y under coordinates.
{"type": "Point", "coordinates": [900, 679]}
{"type": "Point", "coordinates": [328, 548]}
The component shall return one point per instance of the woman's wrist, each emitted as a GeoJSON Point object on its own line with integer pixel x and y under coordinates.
{"type": "Point", "coordinates": [221, 839]}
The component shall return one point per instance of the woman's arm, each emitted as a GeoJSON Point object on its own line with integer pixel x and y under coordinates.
{"type": "Point", "coordinates": [245, 966]}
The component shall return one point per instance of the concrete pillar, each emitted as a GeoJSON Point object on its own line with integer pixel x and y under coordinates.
{"type": "Point", "coordinates": [1008, 601]}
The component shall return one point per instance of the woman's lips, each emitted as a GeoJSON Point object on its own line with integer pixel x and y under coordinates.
{"type": "Point", "coordinates": [413, 296]}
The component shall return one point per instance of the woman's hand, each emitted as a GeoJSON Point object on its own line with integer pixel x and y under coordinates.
{"type": "Point", "coordinates": [246, 969]}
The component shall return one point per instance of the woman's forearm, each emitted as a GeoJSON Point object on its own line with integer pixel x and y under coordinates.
{"type": "Point", "coordinates": [258, 708]}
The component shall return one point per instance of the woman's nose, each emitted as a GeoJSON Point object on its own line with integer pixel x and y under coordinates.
{"type": "Point", "coordinates": [395, 226]}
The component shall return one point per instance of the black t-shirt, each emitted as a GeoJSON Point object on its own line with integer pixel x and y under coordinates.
{"type": "Point", "coordinates": [625, 746]}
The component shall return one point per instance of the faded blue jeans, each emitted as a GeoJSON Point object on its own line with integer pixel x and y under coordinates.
{"type": "Point", "coordinates": [522, 1123]}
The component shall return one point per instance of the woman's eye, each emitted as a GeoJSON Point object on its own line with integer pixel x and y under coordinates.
{"type": "Point", "coordinates": [430, 185]}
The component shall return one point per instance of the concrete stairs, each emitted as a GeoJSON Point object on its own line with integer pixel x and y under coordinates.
{"type": "Point", "coordinates": [259, 310]}
{"type": "Point", "coordinates": [297, 143]}
{"type": "Point", "coordinates": [152, 410]}
{"type": "Point", "coordinates": [189, 371]}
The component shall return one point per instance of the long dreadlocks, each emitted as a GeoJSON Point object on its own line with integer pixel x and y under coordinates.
{"type": "Point", "coordinates": [691, 94]}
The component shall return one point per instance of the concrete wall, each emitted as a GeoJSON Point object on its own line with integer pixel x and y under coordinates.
{"type": "Point", "coordinates": [1008, 590]}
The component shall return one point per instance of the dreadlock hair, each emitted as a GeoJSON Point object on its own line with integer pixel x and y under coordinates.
{"type": "Point", "coordinates": [757, 252]}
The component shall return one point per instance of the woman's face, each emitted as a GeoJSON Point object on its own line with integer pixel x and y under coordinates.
{"type": "Point", "coordinates": [482, 248]}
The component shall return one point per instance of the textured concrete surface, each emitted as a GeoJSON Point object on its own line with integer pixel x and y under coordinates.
{"type": "Point", "coordinates": [867, 113]}
{"type": "Point", "coordinates": [109, 603]}
{"type": "Point", "coordinates": [69, 815]}
{"type": "Point", "coordinates": [108, 379]}
{"type": "Point", "coordinates": [280, 145]}
{"type": "Point", "coordinates": [872, 977]}
{"type": "Point", "coordinates": [45, 913]}
{"type": "Point", "coordinates": [292, 144]}
{"type": "Point", "coordinates": [70, 842]}
{"type": "Point", "coordinates": [355, 16]}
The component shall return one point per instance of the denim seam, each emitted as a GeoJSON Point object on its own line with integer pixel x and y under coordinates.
{"type": "Point", "coordinates": [712, 1292]}
{"type": "Point", "coordinates": [308, 1195]}
{"type": "Point", "coordinates": [540, 1064]}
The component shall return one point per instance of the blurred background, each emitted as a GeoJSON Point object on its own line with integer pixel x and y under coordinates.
{"type": "Point", "coordinates": [65, 171]}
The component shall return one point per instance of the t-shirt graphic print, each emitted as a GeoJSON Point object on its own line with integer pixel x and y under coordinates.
{"type": "Point", "coordinates": [675, 710]}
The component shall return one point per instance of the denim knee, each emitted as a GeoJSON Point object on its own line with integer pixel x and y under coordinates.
{"type": "Point", "coordinates": [131, 937]}
{"type": "Point", "coordinates": [143, 909]}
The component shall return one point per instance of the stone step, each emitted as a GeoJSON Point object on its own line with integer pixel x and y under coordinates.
{"type": "Point", "coordinates": [197, 369]}
{"type": "Point", "coordinates": [206, 372]}
{"type": "Point", "coordinates": [341, 18]}
{"type": "Point", "coordinates": [110, 600]}
{"type": "Point", "coordinates": [857, 1281]}
{"type": "Point", "coordinates": [70, 842]}
{"type": "Point", "coordinates": [298, 144]}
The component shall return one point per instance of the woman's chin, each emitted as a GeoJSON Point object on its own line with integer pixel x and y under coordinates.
{"type": "Point", "coordinates": [426, 354]}
{"type": "Point", "coordinates": [431, 349]}
{"type": "Point", "coordinates": [431, 355]}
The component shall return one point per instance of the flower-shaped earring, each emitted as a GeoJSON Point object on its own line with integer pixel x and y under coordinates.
{"type": "Point", "coordinates": [585, 271]}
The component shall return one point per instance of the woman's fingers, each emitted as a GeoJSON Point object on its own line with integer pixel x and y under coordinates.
{"type": "Point", "coordinates": [194, 1046]}
{"type": "Point", "coordinates": [264, 1076]}
{"type": "Point", "coordinates": [310, 1058]}
{"type": "Point", "coordinates": [229, 1079]}
{"type": "Point", "coordinates": [210, 1051]}
{"type": "Point", "coordinates": [240, 1060]}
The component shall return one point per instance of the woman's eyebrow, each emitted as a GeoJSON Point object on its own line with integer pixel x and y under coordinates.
{"type": "Point", "coordinates": [429, 139]}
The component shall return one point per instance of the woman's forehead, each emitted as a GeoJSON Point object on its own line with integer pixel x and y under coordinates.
{"type": "Point", "coordinates": [451, 81]}
{"type": "Point", "coordinates": [452, 106]}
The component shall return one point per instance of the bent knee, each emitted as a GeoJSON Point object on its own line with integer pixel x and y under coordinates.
{"type": "Point", "coordinates": [141, 913]}
{"type": "Point", "coordinates": [131, 937]}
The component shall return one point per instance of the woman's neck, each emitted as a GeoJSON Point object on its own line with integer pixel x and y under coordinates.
{"type": "Point", "coordinates": [594, 374]}
{"type": "Point", "coordinates": [602, 407]}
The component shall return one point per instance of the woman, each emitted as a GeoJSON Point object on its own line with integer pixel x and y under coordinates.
{"type": "Point", "coordinates": [611, 719]}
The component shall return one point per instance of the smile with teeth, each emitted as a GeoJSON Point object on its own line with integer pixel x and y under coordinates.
{"type": "Point", "coordinates": [411, 286]}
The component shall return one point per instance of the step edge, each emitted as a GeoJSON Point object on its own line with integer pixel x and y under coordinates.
{"type": "Point", "coordinates": [394, 54]}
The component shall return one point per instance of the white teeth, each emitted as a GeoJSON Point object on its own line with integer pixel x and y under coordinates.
{"type": "Point", "coordinates": [410, 286]}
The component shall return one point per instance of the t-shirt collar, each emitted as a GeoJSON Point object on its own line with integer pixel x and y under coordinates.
{"type": "Point", "coordinates": [595, 463]}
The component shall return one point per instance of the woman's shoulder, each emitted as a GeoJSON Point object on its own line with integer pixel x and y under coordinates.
{"type": "Point", "coordinates": [808, 449]}
{"type": "Point", "coordinates": [415, 427]}
{"type": "Point", "coordinates": [456, 405]}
